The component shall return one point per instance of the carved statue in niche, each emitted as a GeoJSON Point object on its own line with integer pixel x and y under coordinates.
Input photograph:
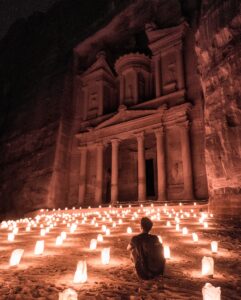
{"type": "Point", "coordinates": [176, 172]}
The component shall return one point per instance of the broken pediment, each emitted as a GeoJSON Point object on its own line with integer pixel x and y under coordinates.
{"type": "Point", "coordinates": [99, 67]}
{"type": "Point", "coordinates": [124, 115]}
{"type": "Point", "coordinates": [160, 39]}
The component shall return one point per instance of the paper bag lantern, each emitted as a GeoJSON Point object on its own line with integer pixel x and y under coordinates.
{"type": "Point", "coordinates": [93, 244]}
{"type": "Point", "coordinates": [214, 246]}
{"type": "Point", "coordinates": [63, 235]}
{"type": "Point", "coordinates": [184, 231]}
{"type": "Point", "coordinates": [167, 252]}
{"type": "Point", "coordinates": [39, 248]}
{"type": "Point", "coordinates": [105, 256]}
{"type": "Point", "coordinates": [11, 237]}
{"type": "Point", "coordinates": [81, 272]}
{"type": "Point", "coordinates": [16, 257]}
{"type": "Point", "coordinates": [68, 294]}
{"type": "Point", "coordinates": [207, 266]}
{"type": "Point", "coordinates": [160, 239]}
{"type": "Point", "coordinates": [129, 230]}
{"type": "Point", "coordinates": [195, 237]}
{"type": "Point", "coordinates": [59, 241]}
{"type": "Point", "coordinates": [99, 237]}
{"type": "Point", "coordinates": [211, 292]}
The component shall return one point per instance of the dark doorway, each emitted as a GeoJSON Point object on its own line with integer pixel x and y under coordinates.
{"type": "Point", "coordinates": [150, 186]}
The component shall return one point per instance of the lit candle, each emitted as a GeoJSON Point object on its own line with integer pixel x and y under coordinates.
{"type": "Point", "coordinates": [167, 252]}
{"type": "Point", "coordinates": [210, 292]}
{"type": "Point", "coordinates": [100, 238]}
{"type": "Point", "coordinates": [105, 256]}
{"type": "Point", "coordinates": [207, 266]}
{"type": "Point", "coordinates": [129, 230]}
{"type": "Point", "coordinates": [214, 246]}
{"type": "Point", "coordinates": [160, 239]}
{"type": "Point", "coordinates": [11, 237]}
{"type": "Point", "coordinates": [93, 244]}
{"type": "Point", "coordinates": [39, 248]}
{"type": "Point", "coordinates": [16, 257]}
{"type": "Point", "coordinates": [59, 241]}
{"type": "Point", "coordinates": [81, 272]}
{"type": "Point", "coordinates": [195, 237]}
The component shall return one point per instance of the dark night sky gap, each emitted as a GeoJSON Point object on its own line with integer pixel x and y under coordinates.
{"type": "Point", "coordinates": [12, 10]}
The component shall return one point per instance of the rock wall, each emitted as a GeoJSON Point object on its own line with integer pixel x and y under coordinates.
{"type": "Point", "coordinates": [36, 109]}
{"type": "Point", "coordinates": [218, 49]}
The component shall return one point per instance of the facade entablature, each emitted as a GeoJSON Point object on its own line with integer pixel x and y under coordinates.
{"type": "Point", "coordinates": [145, 120]}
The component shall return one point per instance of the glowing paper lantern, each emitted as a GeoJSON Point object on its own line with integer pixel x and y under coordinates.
{"type": "Point", "coordinates": [63, 235]}
{"type": "Point", "coordinates": [207, 266]}
{"type": "Point", "coordinates": [105, 256]}
{"type": "Point", "coordinates": [11, 237]}
{"type": "Point", "coordinates": [80, 275]}
{"type": "Point", "coordinates": [28, 228]}
{"type": "Point", "coordinates": [15, 230]}
{"type": "Point", "coordinates": [177, 227]}
{"type": "Point", "coordinates": [42, 232]}
{"type": "Point", "coordinates": [160, 239]}
{"type": "Point", "coordinates": [68, 294]}
{"type": "Point", "coordinates": [195, 237]}
{"type": "Point", "coordinates": [168, 224]}
{"type": "Point", "coordinates": [167, 252]}
{"type": "Point", "coordinates": [205, 224]}
{"type": "Point", "coordinates": [100, 237]}
{"type": "Point", "coordinates": [129, 230]}
{"type": "Point", "coordinates": [120, 221]}
{"type": "Point", "coordinates": [73, 228]}
{"type": "Point", "coordinates": [211, 292]}
{"type": "Point", "coordinates": [39, 248]}
{"type": "Point", "coordinates": [93, 244]}
{"type": "Point", "coordinates": [16, 257]}
{"type": "Point", "coordinates": [103, 228]}
{"type": "Point", "coordinates": [59, 241]}
{"type": "Point", "coordinates": [184, 231]}
{"type": "Point", "coordinates": [214, 246]}
{"type": "Point", "coordinates": [114, 224]}
{"type": "Point", "coordinates": [107, 232]}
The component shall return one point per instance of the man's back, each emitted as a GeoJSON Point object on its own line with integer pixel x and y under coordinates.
{"type": "Point", "coordinates": [148, 256]}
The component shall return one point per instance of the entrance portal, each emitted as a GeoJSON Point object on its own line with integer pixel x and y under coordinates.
{"type": "Point", "coordinates": [150, 186]}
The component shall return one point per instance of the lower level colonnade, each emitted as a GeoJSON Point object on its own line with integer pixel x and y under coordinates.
{"type": "Point", "coordinates": [161, 168]}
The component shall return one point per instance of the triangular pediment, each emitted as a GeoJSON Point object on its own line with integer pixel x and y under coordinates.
{"type": "Point", "coordinates": [125, 115]}
{"type": "Point", "coordinates": [99, 65]}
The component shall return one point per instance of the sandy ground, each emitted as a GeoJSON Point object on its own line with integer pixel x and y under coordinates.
{"type": "Point", "coordinates": [43, 277]}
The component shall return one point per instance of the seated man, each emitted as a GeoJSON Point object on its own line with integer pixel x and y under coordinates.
{"type": "Point", "coordinates": [147, 252]}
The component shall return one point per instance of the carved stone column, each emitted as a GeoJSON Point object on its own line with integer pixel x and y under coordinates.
{"type": "Point", "coordinates": [161, 170]}
{"type": "Point", "coordinates": [114, 171]}
{"type": "Point", "coordinates": [141, 167]}
{"type": "Point", "coordinates": [99, 173]}
{"type": "Point", "coordinates": [82, 179]}
{"type": "Point", "coordinates": [187, 161]}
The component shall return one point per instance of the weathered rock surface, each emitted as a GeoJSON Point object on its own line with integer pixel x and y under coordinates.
{"type": "Point", "coordinates": [218, 49]}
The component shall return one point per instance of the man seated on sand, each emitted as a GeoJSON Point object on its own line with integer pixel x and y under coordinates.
{"type": "Point", "coordinates": [147, 252]}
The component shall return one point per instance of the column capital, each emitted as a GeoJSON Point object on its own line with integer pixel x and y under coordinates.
{"type": "Point", "coordinates": [115, 142]}
{"type": "Point", "coordinates": [139, 136]}
{"type": "Point", "coordinates": [159, 131]}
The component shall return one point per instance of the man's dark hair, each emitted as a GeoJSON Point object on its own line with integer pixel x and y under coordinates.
{"type": "Point", "coordinates": [146, 224]}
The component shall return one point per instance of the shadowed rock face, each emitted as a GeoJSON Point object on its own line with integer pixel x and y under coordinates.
{"type": "Point", "coordinates": [219, 56]}
{"type": "Point", "coordinates": [38, 117]}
